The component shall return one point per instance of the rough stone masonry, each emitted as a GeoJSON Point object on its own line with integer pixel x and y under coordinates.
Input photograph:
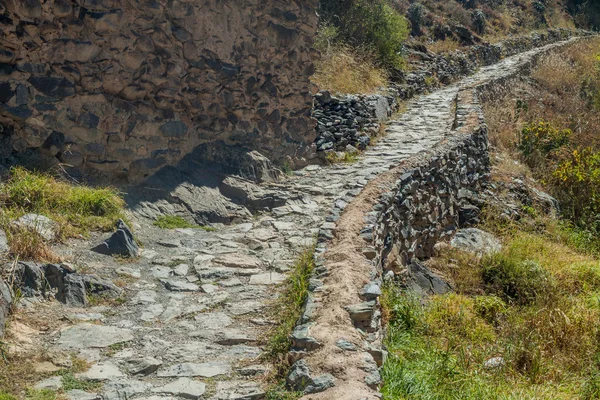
{"type": "Point", "coordinates": [124, 87]}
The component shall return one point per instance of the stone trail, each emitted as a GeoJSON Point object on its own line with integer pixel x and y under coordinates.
{"type": "Point", "coordinates": [196, 302]}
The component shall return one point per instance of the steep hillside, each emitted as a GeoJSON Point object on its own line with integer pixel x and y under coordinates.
{"type": "Point", "coordinates": [366, 45]}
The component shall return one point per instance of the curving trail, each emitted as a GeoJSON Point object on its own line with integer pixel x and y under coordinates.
{"type": "Point", "coordinates": [196, 301]}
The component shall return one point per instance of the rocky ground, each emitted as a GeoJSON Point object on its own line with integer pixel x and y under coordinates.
{"type": "Point", "coordinates": [193, 308]}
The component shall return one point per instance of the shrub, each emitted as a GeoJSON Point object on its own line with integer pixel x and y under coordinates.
{"type": "Point", "coordinates": [371, 24]}
{"type": "Point", "coordinates": [576, 183]}
{"type": "Point", "coordinates": [490, 308]}
{"type": "Point", "coordinates": [518, 281]}
{"type": "Point", "coordinates": [542, 138]}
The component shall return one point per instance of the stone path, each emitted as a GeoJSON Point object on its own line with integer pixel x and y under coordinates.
{"type": "Point", "coordinates": [195, 303]}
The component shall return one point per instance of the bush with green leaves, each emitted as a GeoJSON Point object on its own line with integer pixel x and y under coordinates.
{"type": "Point", "coordinates": [542, 138]}
{"type": "Point", "coordinates": [517, 281]}
{"type": "Point", "coordinates": [576, 184]}
{"type": "Point", "coordinates": [373, 25]}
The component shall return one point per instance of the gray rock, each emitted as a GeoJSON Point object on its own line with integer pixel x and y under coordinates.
{"type": "Point", "coordinates": [74, 293]}
{"type": "Point", "coordinates": [184, 387]}
{"type": "Point", "coordinates": [143, 366]}
{"type": "Point", "coordinates": [53, 383]}
{"type": "Point", "coordinates": [301, 338]}
{"type": "Point", "coordinates": [86, 335]}
{"type": "Point", "coordinates": [205, 370]}
{"type": "Point", "coordinates": [101, 372]}
{"type": "Point", "coordinates": [44, 226]}
{"type": "Point", "coordinates": [120, 243]}
{"type": "Point", "coordinates": [300, 379]}
{"type": "Point", "coordinates": [362, 313]}
{"type": "Point", "coordinates": [371, 291]}
{"type": "Point", "coordinates": [494, 363]}
{"type": "Point", "coordinates": [181, 270]}
{"type": "Point", "coordinates": [124, 389]}
{"type": "Point", "coordinates": [423, 281]}
{"type": "Point", "coordinates": [5, 305]}
{"type": "Point", "coordinates": [345, 345]}
{"type": "Point", "coordinates": [77, 394]}
{"type": "Point", "coordinates": [268, 278]}
{"type": "Point", "coordinates": [4, 248]}
{"type": "Point", "coordinates": [179, 285]}
{"type": "Point", "coordinates": [476, 241]}
{"type": "Point", "coordinates": [30, 278]}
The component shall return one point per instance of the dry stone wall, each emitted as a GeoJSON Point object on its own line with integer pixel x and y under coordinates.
{"type": "Point", "coordinates": [420, 186]}
{"type": "Point", "coordinates": [353, 120]}
{"type": "Point", "coordinates": [124, 87]}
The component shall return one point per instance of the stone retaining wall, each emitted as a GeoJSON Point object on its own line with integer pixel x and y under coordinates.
{"type": "Point", "coordinates": [354, 119]}
{"type": "Point", "coordinates": [416, 204]}
{"type": "Point", "coordinates": [424, 208]}
{"type": "Point", "coordinates": [121, 88]}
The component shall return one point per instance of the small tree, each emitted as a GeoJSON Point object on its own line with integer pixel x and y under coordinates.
{"type": "Point", "coordinates": [415, 14]}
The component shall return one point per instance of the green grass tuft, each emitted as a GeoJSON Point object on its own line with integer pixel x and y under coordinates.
{"type": "Point", "coordinates": [71, 383]}
{"type": "Point", "coordinates": [76, 209]}
{"type": "Point", "coordinates": [286, 312]}
{"type": "Point", "coordinates": [43, 394]}
{"type": "Point", "coordinates": [174, 222]}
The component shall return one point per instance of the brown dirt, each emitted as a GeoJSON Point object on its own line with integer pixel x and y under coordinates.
{"type": "Point", "coordinates": [349, 272]}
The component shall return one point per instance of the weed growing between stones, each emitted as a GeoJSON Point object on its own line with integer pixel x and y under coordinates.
{"type": "Point", "coordinates": [286, 313]}
{"type": "Point", "coordinates": [523, 325]}
{"type": "Point", "coordinates": [174, 222]}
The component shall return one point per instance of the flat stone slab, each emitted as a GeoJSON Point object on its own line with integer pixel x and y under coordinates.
{"type": "Point", "coordinates": [101, 372]}
{"type": "Point", "coordinates": [53, 383]}
{"type": "Point", "coordinates": [86, 335]}
{"type": "Point", "coordinates": [179, 285]}
{"type": "Point", "coordinates": [205, 370]}
{"type": "Point", "coordinates": [143, 366]}
{"type": "Point", "coordinates": [184, 387]}
{"type": "Point", "coordinates": [268, 278]}
{"type": "Point", "coordinates": [233, 260]}
{"type": "Point", "coordinates": [77, 394]}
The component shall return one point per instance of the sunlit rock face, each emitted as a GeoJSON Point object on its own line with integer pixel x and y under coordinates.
{"type": "Point", "coordinates": [121, 88]}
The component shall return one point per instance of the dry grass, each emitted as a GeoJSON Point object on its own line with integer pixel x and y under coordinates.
{"type": "Point", "coordinates": [443, 46]}
{"type": "Point", "coordinates": [554, 96]}
{"type": "Point", "coordinates": [343, 71]}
